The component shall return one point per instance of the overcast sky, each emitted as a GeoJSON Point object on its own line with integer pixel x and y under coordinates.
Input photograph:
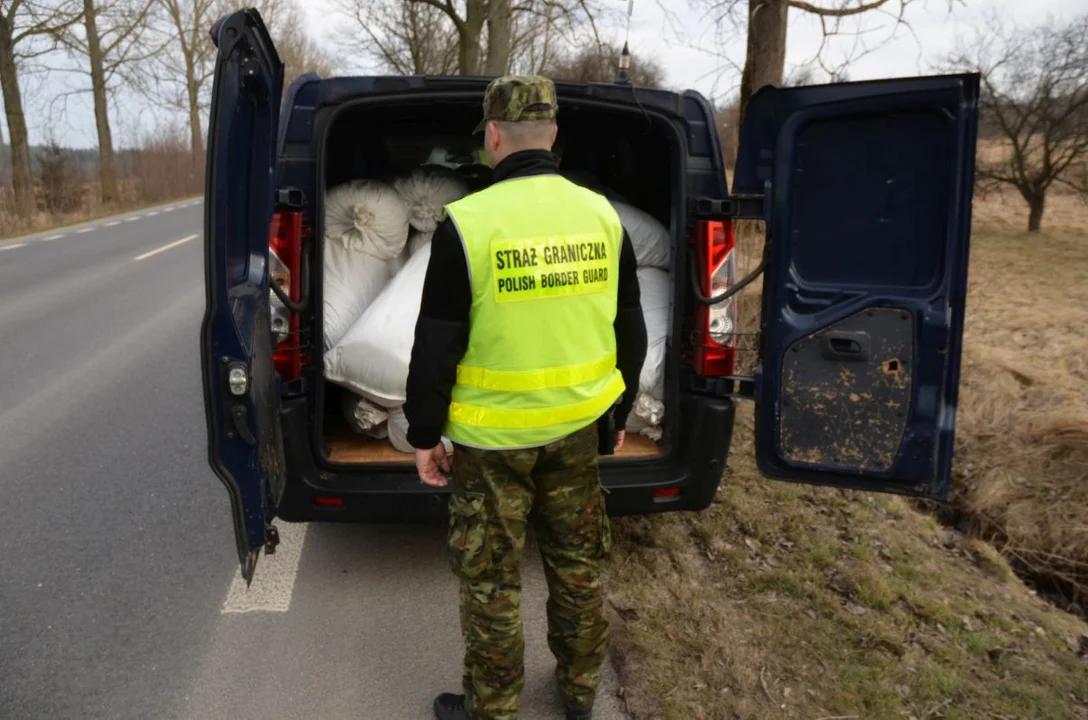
{"type": "Point", "coordinates": [667, 30]}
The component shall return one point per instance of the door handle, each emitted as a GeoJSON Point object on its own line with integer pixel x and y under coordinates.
{"type": "Point", "coordinates": [846, 346]}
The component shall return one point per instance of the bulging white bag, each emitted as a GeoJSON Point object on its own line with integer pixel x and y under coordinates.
{"type": "Point", "coordinates": [398, 433]}
{"type": "Point", "coordinates": [364, 417]}
{"type": "Point", "coordinates": [372, 358]}
{"type": "Point", "coordinates": [654, 288]}
{"type": "Point", "coordinates": [353, 279]}
{"type": "Point", "coordinates": [417, 239]}
{"type": "Point", "coordinates": [426, 192]}
{"type": "Point", "coordinates": [648, 236]}
{"type": "Point", "coordinates": [397, 264]}
{"type": "Point", "coordinates": [367, 216]}
{"type": "Point", "coordinates": [646, 416]}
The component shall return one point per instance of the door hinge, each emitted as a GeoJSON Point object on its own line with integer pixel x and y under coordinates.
{"type": "Point", "coordinates": [271, 539]}
{"type": "Point", "coordinates": [734, 207]}
{"type": "Point", "coordinates": [251, 67]}
{"type": "Point", "coordinates": [742, 386]}
{"type": "Point", "coordinates": [290, 197]}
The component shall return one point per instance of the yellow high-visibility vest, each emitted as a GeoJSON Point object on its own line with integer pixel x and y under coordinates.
{"type": "Point", "coordinates": [543, 257]}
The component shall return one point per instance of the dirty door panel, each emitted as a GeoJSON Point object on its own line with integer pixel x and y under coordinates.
{"type": "Point", "coordinates": [870, 189]}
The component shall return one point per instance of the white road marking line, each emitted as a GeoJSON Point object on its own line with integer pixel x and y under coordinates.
{"type": "Point", "coordinates": [134, 218]}
{"type": "Point", "coordinates": [115, 223]}
{"type": "Point", "coordinates": [153, 214]}
{"type": "Point", "coordinates": [12, 247]}
{"type": "Point", "coordinates": [85, 230]}
{"type": "Point", "coordinates": [164, 248]}
{"type": "Point", "coordinates": [169, 209]}
{"type": "Point", "coordinates": [52, 237]}
{"type": "Point", "coordinates": [274, 583]}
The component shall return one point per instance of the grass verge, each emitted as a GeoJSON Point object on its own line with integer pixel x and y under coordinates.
{"type": "Point", "coordinates": [791, 601]}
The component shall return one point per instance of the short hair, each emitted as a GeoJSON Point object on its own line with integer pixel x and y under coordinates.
{"type": "Point", "coordinates": [528, 133]}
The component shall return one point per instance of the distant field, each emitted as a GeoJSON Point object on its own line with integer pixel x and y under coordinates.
{"type": "Point", "coordinates": [783, 601]}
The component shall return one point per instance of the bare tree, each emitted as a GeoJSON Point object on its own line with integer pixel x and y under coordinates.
{"type": "Point", "coordinates": [27, 30]}
{"type": "Point", "coordinates": [107, 44]}
{"type": "Point", "coordinates": [1035, 100]}
{"type": "Point", "coordinates": [487, 36]}
{"type": "Point", "coordinates": [184, 61]}
{"type": "Point", "coordinates": [767, 22]}
{"type": "Point", "coordinates": [286, 23]}
{"type": "Point", "coordinates": [601, 64]}
{"type": "Point", "coordinates": [406, 38]}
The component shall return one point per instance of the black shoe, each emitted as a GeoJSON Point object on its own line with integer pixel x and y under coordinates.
{"type": "Point", "coordinates": [448, 706]}
{"type": "Point", "coordinates": [576, 714]}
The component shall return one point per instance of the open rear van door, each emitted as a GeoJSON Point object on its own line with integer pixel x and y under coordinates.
{"type": "Point", "coordinates": [241, 400]}
{"type": "Point", "coordinates": [867, 192]}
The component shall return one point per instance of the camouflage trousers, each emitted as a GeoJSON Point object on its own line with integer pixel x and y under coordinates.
{"type": "Point", "coordinates": [496, 494]}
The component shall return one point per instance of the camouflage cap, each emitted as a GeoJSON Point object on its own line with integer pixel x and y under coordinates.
{"type": "Point", "coordinates": [516, 98]}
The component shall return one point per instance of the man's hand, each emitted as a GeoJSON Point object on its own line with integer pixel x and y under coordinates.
{"type": "Point", "coordinates": [431, 464]}
{"type": "Point", "coordinates": [620, 436]}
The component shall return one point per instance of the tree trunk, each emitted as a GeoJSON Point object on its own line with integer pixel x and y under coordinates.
{"type": "Point", "coordinates": [1036, 205]}
{"type": "Point", "coordinates": [5, 174]}
{"type": "Point", "coordinates": [107, 170]}
{"type": "Point", "coordinates": [22, 179]}
{"type": "Point", "coordinates": [499, 31]}
{"type": "Point", "coordinates": [468, 38]}
{"type": "Point", "coordinates": [766, 55]}
{"type": "Point", "coordinates": [196, 137]}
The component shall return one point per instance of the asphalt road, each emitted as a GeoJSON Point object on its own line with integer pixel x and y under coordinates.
{"type": "Point", "coordinates": [119, 595]}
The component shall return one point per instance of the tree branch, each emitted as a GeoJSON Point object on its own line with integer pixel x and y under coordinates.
{"type": "Point", "coordinates": [838, 12]}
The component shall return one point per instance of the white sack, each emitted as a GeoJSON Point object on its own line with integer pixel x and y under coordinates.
{"type": "Point", "coordinates": [426, 192]}
{"type": "Point", "coordinates": [646, 416]}
{"type": "Point", "coordinates": [353, 280]}
{"type": "Point", "coordinates": [648, 236]}
{"type": "Point", "coordinates": [367, 216]}
{"type": "Point", "coordinates": [398, 433]}
{"type": "Point", "coordinates": [654, 288]}
{"type": "Point", "coordinates": [363, 416]}
{"type": "Point", "coordinates": [397, 264]}
{"type": "Point", "coordinates": [372, 358]}
{"type": "Point", "coordinates": [417, 239]}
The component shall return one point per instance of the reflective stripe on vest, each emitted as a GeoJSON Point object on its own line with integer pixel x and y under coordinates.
{"type": "Point", "coordinates": [543, 257]}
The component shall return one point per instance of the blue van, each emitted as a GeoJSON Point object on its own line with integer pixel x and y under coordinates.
{"type": "Point", "coordinates": [865, 189]}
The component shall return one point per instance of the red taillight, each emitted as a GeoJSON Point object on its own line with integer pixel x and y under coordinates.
{"type": "Point", "coordinates": [285, 260]}
{"type": "Point", "coordinates": [328, 501]}
{"type": "Point", "coordinates": [715, 325]}
{"type": "Point", "coordinates": [666, 494]}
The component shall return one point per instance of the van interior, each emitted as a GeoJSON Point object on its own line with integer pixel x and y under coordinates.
{"type": "Point", "coordinates": [628, 155]}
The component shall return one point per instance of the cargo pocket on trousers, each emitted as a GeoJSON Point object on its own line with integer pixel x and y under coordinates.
{"type": "Point", "coordinates": [469, 554]}
{"type": "Point", "coordinates": [604, 531]}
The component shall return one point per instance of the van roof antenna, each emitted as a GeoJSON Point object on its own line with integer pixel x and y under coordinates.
{"type": "Point", "coordinates": [624, 75]}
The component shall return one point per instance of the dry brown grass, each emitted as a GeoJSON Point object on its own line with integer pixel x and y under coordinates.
{"type": "Point", "coordinates": [787, 601]}
{"type": "Point", "coordinates": [1022, 438]}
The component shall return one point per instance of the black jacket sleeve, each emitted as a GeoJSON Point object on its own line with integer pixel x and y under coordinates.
{"type": "Point", "coordinates": [441, 338]}
{"type": "Point", "coordinates": [630, 328]}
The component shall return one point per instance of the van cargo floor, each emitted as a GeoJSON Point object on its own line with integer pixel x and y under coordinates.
{"type": "Point", "coordinates": [344, 446]}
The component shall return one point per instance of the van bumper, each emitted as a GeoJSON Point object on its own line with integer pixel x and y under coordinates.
{"type": "Point", "coordinates": [686, 479]}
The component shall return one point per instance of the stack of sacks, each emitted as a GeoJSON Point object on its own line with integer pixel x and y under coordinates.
{"type": "Point", "coordinates": [366, 229]}
{"type": "Point", "coordinates": [371, 359]}
{"type": "Point", "coordinates": [651, 243]}
{"type": "Point", "coordinates": [648, 236]}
